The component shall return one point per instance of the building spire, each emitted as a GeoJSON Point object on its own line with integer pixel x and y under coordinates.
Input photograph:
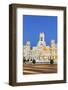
{"type": "Point", "coordinates": [42, 39]}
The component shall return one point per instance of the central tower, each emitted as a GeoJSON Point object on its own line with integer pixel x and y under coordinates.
{"type": "Point", "coordinates": [42, 39]}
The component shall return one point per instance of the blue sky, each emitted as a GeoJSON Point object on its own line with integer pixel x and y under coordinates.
{"type": "Point", "coordinates": [33, 25]}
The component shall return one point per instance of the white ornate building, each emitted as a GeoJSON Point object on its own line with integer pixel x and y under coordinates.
{"type": "Point", "coordinates": [41, 53]}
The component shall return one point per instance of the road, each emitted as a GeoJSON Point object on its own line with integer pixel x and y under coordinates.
{"type": "Point", "coordinates": [39, 68]}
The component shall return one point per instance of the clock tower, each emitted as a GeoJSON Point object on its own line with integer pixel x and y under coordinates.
{"type": "Point", "coordinates": [42, 40]}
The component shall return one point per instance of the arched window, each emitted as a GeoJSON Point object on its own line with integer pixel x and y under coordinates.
{"type": "Point", "coordinates": [41, 38]}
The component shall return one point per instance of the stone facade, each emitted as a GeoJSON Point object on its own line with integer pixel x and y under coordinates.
{"type": "Point", "coordinates": [41, 53]}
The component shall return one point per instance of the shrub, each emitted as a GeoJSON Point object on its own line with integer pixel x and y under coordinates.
{"type": "Point", "coordinates": [51, 61]}
{"type": "Point", "coordinates": [24, 60]}
{"type": "Point", "coordinates": [33, 61]}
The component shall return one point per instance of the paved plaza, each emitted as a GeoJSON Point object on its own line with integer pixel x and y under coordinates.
{"type": "Point", "coordinates": [39, 68]}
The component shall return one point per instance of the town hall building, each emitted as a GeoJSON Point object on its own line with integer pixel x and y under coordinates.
{"type": "Point", "coordinates": [41, 53]}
